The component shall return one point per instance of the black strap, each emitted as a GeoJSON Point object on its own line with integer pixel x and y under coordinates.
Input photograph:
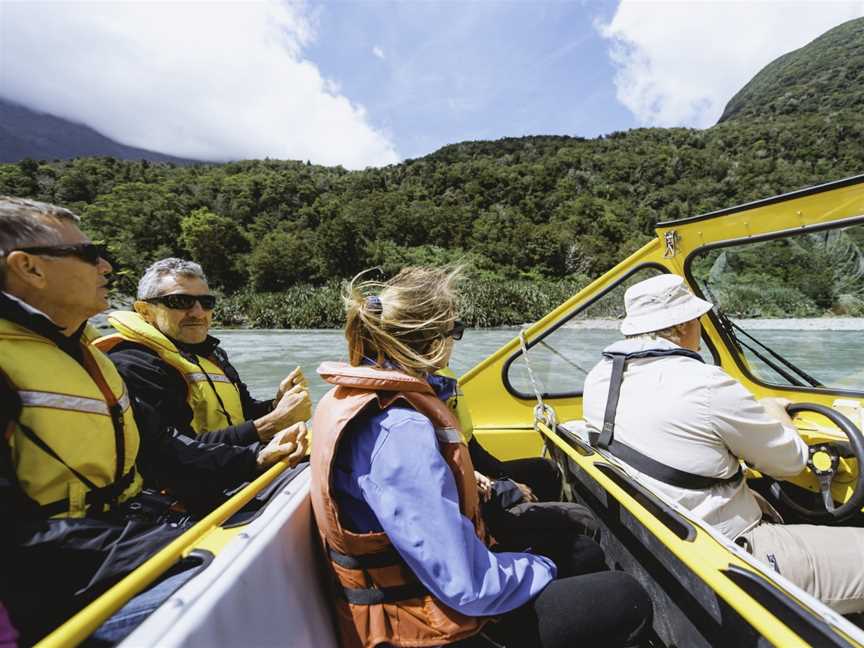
{"type": "Point", "coordinates": [194, 358]}
{"type": "Point", "coordinates": [667, 474]}
{"type": "Point", "coordinates": [96, 498]}
{"type": "Point", "coordinates": [221, 358]}
{"type": "Point", "coordinates": [42, 445]}
{"type": "Point", "coordinates": [119, 439]}
{"type": "Point", "coordinates": [643, 463]}
{"type": "Point", "coordinates": [379, 595]}
{"type": "Point", "coordinates": [386, 558]}
{"type": "Point", "coordinates": [375, 595]}
{"type": "Point", "coordinates": [607, 434]}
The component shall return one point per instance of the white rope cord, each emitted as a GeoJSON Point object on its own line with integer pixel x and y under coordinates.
{"type": "Point", "coordinates": [542, 411]}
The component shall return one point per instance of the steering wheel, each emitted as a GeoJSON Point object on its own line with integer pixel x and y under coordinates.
{"type": "Point", "coordinates": [823, 461]}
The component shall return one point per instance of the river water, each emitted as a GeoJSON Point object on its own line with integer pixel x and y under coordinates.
{"type": "Point", "coordinates": [264, 357]}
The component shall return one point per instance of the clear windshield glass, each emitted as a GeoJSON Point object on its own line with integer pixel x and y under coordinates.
{"type": "Point", "coordinates": [796, 305]}
{"type": "Point", "coordinates": [562, 359]}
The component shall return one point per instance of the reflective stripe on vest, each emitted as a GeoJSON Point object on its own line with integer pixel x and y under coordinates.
{"type": "Point", "coordinates": [643, 463]}
{"type": "Point", "coordinates": [71, 403]}
{"type": "Point", "coordinates": [211, 395]}
{"type": "Point", "coordinates": [448, 435]}
{"type": "Point", "coordinates": [74, 442]}
{"type": "Point", "coordinates": [202, 377]}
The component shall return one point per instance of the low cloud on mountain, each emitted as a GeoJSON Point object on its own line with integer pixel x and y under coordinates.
{"type": "Point", "coordinates": [680, 62]}
{"type": "Point", "coordinates": [214, 81]}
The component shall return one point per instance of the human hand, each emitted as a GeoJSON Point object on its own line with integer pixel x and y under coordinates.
{"type": "Point", "coordinates": [776, 408]}
{"type": "Point", "coordinates": [527, 493]}
{"type": "Point", "coordinates": [294, 406]}
{"type": "Point", "coordinates": [290, 445]}
{"type": "Point", "coordinates": [296, 377]}
{"type": "Point", "coordinates": [484, 486]}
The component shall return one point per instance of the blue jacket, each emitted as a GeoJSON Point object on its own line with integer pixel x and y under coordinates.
{"type": "Point", "coordinates": [389, 476]}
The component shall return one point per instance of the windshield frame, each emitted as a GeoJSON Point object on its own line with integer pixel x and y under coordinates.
{"type": "Point", "coordinates": [730, 344]}
{"type": "Point", "coordinates": [590, 301]}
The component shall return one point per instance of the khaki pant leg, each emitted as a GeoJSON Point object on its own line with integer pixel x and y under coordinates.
{"type": "Point", "coordinates": [827, 562]}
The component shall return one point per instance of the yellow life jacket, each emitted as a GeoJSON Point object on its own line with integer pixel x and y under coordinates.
{"type": "Point", "coordinates": [75, 441]}
{"type": "Point", "coordinates": [457, 404]}
{"type": "Point", "coordinates": [213, 398]}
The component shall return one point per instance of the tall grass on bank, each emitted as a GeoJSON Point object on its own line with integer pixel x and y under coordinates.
{"type": "Point", "coordinates": [299, 307]}
{"type": "Point", "coordinates": [484, 303]}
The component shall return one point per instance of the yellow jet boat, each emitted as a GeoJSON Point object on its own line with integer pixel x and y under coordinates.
{"type": "Point", "coordinates": [259, 583]}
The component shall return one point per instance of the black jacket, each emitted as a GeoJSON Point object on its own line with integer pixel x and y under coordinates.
{"type": "Point", "coordinates": [51, 567]}
{"type": "Point", "coordinates": [162, 387]}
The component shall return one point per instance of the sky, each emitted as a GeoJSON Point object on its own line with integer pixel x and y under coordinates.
{"type": "Point", "coordinates": [373, 82]}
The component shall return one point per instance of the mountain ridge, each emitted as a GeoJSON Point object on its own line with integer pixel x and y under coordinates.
{"type": "Point", "coordinates": [824, 76]}
{"type": "Point", "coordinates": [27, 133]}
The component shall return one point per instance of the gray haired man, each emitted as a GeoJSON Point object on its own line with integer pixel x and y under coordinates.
{"type": "Point", "coordinates": [77, 447]}
{"type": "Point", "coordinates": [166, 355]}
{"type": "Point", "coordinates": [685, 426]}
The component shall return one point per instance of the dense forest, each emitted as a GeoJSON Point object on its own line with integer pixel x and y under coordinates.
{"type": "Point", "coordinates": [532, 218]}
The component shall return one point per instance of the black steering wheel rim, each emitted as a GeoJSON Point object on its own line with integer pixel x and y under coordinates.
{"type": "Point", "coordinates": [856, 441]}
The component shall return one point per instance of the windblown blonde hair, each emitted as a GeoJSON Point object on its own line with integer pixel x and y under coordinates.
{"type": "Point", "coordinates": [417, 311]}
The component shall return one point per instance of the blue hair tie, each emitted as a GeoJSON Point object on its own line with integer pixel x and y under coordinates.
{"type": "Point", "coordinates": [373, 303]}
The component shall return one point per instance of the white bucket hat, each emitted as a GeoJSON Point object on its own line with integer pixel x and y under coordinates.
{"type": "Point", "coordinates": [660, 302]}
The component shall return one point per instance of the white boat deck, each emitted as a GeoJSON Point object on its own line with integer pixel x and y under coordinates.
{"type": "Point", "coordinates": [263, 589]}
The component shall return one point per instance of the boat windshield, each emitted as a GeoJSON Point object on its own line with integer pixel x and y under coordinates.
{"type": "Point", "coordinates": [793, 306]}
{"type": "Point", "coordinates": [561, 357]}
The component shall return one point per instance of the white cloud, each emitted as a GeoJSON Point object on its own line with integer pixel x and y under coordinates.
{"type": "Point", "coordinates": [678, 63]}
{"type": "Point", "coordinates": [209, 80]}
{"type": "Point", "coordinates": [377, 51]}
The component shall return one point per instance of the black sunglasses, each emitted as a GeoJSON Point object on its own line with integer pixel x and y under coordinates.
{"type": "Point", "coordinates": [180, 301]}
{"type": "Point", "coordinates": [88, 252]}
{"type": "Point", "coordinates": [457, 331]}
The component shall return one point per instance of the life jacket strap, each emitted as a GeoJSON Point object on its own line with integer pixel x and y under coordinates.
{"type": "Point", "coordinates": [607, 434]}
{"type": "Point", "coordinates": [191, 357]}
{"type": "Point", "coordinates": [387, 558]}
{"type": "Point", "coordinates": [36, 440]}
{"type": "Point", "coordinates": [96, 498]}
{"type": "Point", "coordinates": [643, 463]}
{"type": "Point", "coordinates": [375, 595]}
{"type": "Point", "coordinates": [379, 595]}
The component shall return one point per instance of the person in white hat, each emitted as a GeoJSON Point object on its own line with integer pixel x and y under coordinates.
{"type": "Point", "coordinates": [685, 426]}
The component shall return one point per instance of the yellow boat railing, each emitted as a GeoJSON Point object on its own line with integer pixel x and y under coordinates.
{"type": "Point", "coordinates": [702, 555]}
{"type": "Point", "coordinates": [85, 622]}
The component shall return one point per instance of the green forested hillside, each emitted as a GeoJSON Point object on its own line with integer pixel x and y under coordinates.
{"type": "Point", "coordinates": [825, 76]}
{"type": "Point", "coordinates": [538, 212]}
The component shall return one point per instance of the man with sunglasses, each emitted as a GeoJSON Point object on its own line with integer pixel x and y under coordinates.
{"type": "Point", "coordinates": [165, 354]}
{"type": "Point", "coordinates": [77, 448]}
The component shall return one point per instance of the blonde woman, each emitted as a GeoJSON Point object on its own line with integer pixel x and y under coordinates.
{"type": "Point", "coordinates": [397, 507]}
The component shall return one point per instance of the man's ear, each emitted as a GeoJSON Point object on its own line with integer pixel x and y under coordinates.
{"type": "Point", "coordinates": [683, 329]}
{"type": "Point", "coordinates": [26, 269]}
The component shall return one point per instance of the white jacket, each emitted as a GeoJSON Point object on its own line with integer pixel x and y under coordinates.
{"type": "Point", "coordinates": [695, 417]}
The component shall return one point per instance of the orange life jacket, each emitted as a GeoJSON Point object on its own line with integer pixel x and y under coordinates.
{"type": "Point", "coordinates": [378, 597]}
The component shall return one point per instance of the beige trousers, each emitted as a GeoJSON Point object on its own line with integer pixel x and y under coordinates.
{"type": "Point", "coordinates": [827, 562]}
